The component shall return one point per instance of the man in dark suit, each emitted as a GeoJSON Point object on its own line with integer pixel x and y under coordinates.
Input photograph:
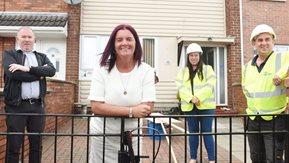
{"type": "Point", "coordinates": [24, 91]}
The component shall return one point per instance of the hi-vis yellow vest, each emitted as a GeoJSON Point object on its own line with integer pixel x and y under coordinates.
{"type": "Point", "coordinates": [204, 90]}
{"type": "Point", "coordinates": [263, 97]}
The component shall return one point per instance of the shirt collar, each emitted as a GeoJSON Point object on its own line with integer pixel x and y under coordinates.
{"type": "Point", "coordinates": [254, 60]}
{"type": "Point", "coordinates": [31, 52]}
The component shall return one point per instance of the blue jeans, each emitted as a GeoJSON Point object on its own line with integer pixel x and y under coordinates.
{"type": "Point", "coordinates": [194, 123]}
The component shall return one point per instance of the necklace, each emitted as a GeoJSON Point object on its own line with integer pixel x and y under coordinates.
{"type": "Point", "coordinates": [124, 77]}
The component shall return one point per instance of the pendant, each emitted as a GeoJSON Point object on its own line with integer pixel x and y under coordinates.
{"type": "Point", "coordinates": [125, 92]}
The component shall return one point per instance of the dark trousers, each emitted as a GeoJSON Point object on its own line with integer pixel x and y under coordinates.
{"type": "Point", "coordinates": [33, 124]}
{"type": "Point", "coordinates": [267, 147]}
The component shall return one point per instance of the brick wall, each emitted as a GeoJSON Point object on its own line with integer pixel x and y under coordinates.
{"type": "Point", "coordinates": [272, 13]}
{"type": "Point", "coordinates": [233, 54]}
{"type": "Point", "coordinates": [59, 100]}
{"type": "Point", "coordinates": [34, 6]}
{"type": "Point", "coordinates": [5, 43]}
{"type": "Point", "coordinates": [72, 54]}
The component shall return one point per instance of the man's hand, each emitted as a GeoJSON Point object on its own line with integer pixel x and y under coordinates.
{"type": "Point", "coordinates": [14, 67]}
{"type": "Point", "coordinates": [277, 80]}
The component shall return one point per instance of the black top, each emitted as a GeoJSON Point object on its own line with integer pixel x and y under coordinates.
{"type": "Point", "coordinates": [259, 68]}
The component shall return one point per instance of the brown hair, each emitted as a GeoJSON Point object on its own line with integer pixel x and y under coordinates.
{"type": "Point", "coordinates": [109, 50]}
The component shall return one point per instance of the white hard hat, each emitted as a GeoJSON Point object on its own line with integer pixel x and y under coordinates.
{"type": "Point", "coordinates": [262, 28]}
{"type": "Point", "coordinates": [194, 47]}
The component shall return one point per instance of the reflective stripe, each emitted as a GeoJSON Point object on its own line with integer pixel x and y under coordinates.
{"type": "Point", "coordinates": [202, 86]}
{"type": "Point", "coordinates": [184, 103]}
{"type": "Point", "coordinates": [245, 69]}
{"type": "Point", "coordinates": [198, 86]}
{"type": "Point", "coordinates": [212, 76]}
{"type": "Point", "coordinates": [278, 92]}
{"type": "Point", "coordinates": [180, 81]}
{"type": "Point", "coordinates": [181, 87]}
{"type": "Point", "coordinates": [186, 88]}
{"type": "Point", "coordinates": [209, 100]}
{"type": "Point", "coordinates": [266, 111]}
{"type": "Point", "coordinates": [211, 86]}
{"type": "Point", "coordinates": [278, 62]}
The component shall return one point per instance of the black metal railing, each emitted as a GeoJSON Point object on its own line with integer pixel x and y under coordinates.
{"type": "Point", "coordinates": [164, 138]}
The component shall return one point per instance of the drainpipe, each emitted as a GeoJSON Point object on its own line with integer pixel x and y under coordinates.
{"type": "Point", "coordinates": [241, 32]}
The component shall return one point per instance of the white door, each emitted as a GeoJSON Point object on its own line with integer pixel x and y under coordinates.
{"type": "Point", "coordinates": [55, 49]}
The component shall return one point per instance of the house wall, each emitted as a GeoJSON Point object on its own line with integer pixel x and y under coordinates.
{"type": "Point", "coordinates": [165, 20]}
{"type": "Point", "coordinates": [155, 17]}
{"type": "Point", "coordinates": [167, 71]}
{"type": "Point", "coordinates": [234, 58]}
{"type": "Point", "coordinates": [167, 57]}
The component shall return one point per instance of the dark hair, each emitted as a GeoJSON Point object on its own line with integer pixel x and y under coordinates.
{"type": "Point", "coordinates": [110, 49]}
{"type": "Point", "coordinates": [199, 68]}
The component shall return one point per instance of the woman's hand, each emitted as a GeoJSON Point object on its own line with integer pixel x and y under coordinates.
{"type": "Point", "coordinates": [195, 100]}
{"type": "Point", "coordinates": [141, 110]}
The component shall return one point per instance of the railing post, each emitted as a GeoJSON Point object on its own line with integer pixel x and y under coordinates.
{"type": "Point", "coordinates": [287, 141]}
{"type": "Point", "coordinates": [286, 83]}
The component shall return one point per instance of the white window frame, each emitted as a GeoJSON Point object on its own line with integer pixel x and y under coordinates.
{"type": "Point", "coordinates": [91, 47]}
{"type": "Point", "coordinates": [217, 71]}
{"type": "Point", "coordinates": [281, 48]}
{"type": "Point", "coordinates": [155, 51]}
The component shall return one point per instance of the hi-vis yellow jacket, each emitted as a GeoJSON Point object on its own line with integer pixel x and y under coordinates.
{"type": "Point", "coordinates": [263, 97]}
{"type": "Point", "coordinates": [204, 90]}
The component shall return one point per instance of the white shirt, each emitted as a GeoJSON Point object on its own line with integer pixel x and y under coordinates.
{"type": "Point", "coordinates": [109, 88]}
{"type": "Point", "coordinates": [30, 89]}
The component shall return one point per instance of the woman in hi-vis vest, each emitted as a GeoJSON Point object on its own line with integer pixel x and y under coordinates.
{"type": "Point", "coordinates": [196, 85]}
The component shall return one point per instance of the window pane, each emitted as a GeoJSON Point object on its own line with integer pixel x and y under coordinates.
{"type": "Point", "coordinates": [281, 48]}
{"type": "Point", "coordinates": [221, 74]}
{"type": "Point", "coordinates": [148, 51]}
{"type": "Point", "coordinates": [208, 56]}
{"type": "Point", "coordinates": [91, 48]}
